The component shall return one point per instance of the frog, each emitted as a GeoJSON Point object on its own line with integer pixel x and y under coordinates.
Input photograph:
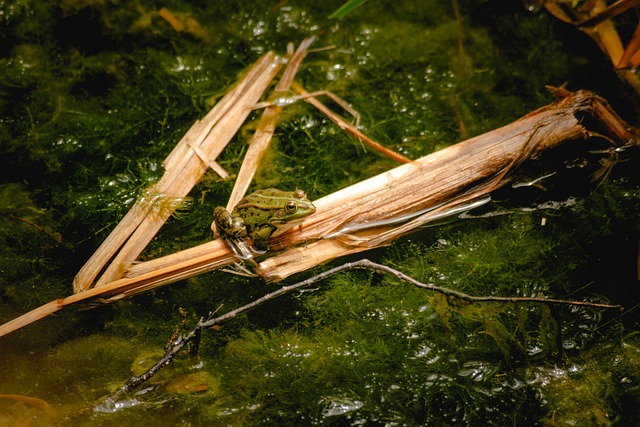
{"type": "Point", "coordinates": [262, 215]}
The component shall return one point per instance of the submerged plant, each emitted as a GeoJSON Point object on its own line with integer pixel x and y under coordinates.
{"type": "Point", "coordinates": [95, 94]}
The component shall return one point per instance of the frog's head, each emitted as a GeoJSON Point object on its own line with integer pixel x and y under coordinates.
{"type": "Point", "coordinates": [295, 208]}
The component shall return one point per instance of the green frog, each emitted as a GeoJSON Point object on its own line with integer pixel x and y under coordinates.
{"type": "Point", "coordinates": [261, 215]}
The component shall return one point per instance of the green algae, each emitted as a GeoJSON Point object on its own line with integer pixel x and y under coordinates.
{"type": "Point", "coordinates": [96, 93]}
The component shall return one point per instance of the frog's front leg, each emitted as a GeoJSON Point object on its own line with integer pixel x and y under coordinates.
{"type": "Point", "coordinates": [227, 224]}
{"type": "Point", "coordinates": [261, 237]}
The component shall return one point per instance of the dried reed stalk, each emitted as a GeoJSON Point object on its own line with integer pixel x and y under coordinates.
{"type": "Point", "coordinates": [433, 185]}
{"type": "Point", "coordinates": [266, 127]}
{"type": "Point", "coordinates": [437, 184]}
{"type": "Point", "coordinates": [440, 183]}
{"type": "Point", "coordinates": [184, 166]}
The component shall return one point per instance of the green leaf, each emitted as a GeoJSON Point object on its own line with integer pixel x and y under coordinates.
{"type": "Point", "coordinates": [346, 8]}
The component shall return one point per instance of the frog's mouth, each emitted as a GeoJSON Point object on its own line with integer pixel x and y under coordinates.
{"type": "Point", "coordinates": [290, 223]}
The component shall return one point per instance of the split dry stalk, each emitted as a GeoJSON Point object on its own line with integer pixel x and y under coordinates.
{"type": "Point", "coordinates": [184, 166]}
{"type": "Point", "coordinates": [439, 183]}
{"type": "Point", "coordinates": [266, 127]}
{"type": "Point", "coordinates": [363, 216]}
{"type": "Point", "coordinates": [269, 120]}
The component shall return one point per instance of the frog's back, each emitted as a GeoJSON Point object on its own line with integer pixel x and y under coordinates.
{"type": "Point", "coordinates": [268, 198]}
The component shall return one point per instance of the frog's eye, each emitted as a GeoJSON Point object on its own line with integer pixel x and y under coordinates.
{"type": "Point", "coordinates": [291, 207]}
{"type": "Point", "coordinates": [299, 194]}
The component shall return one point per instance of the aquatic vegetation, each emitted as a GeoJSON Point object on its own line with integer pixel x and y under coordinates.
{"type": "Point", "coordinates": [94, 96]}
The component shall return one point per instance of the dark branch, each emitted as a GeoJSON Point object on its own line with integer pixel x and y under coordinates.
{"type": "Point", "coordinates": [174, 347]}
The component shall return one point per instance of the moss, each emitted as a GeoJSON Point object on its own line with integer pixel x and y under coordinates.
{"type": "Point", "coordinates": [391, 342]}
{"type": "Point", "coordinates": [379, 347]}
{"type": "Point", "coordinates": [95, 94]}
{"type": "Point", "coordinates": [588, 392]}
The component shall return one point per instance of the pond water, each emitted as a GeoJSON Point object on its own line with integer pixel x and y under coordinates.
{"type": "Point", "coordinates": [95, 94]}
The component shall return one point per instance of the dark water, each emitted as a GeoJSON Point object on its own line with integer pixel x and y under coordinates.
{"type": "Point", "coordinates": [95, 95]}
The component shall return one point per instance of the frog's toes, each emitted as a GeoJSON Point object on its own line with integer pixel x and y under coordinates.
{"type": "Point", "coordinates": [240, 248]}
{"type": "Point", "coordinates": [259, 248]}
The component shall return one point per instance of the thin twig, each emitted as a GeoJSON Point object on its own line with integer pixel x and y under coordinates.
{"type": "Point", "coordinates": [380, 268]}
{"type": "Point", "coordinates": [56, 237]}
{"type": "Point", "coordinates": [174, 347]}
{"type": "Point", "coordinates": [348, 127]}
